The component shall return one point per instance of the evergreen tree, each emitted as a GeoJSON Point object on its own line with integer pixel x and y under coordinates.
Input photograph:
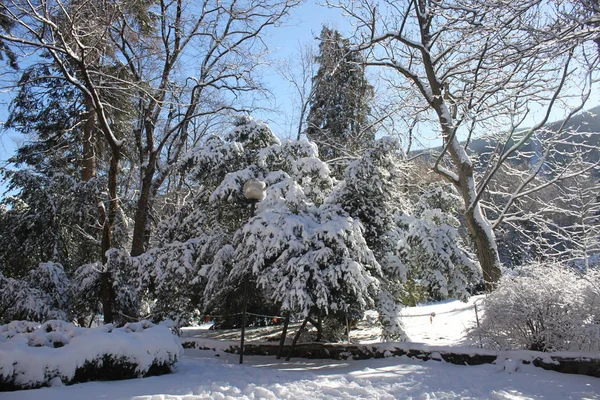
{"type": "Point", "coordinates": [413, 240]}
{"type": "Point", "coordinates": [339, 108]}
{"type": "Point", "coordinates": [49, 218]}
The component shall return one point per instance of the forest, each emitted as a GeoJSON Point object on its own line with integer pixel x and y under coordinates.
{"type": "Point", "coordinates": [438, 149]}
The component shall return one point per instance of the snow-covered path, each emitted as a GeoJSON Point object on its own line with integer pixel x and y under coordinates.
{"type": "Point", "coordinates": [202, 375]}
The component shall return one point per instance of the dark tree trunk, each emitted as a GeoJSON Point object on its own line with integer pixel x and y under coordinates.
{"type": "Point", "coordinates": [296, 337]}
{"type": "Point", "coordinates": [107, 292]}
{"type": "Point", "coordinates": [140, 228]}
{"type": "Point", "coordinates": [283, 335]}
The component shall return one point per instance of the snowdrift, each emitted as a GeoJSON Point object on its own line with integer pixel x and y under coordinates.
{"type": "Point", "coordinates": [57, 352]}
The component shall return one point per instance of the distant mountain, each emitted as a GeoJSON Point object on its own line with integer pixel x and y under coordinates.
{"type": "Point", "coordinates": [586, 124]}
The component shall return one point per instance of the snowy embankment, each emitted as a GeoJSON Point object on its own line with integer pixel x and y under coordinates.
{"type": "Point", "coordinates": [56, 352]}
{"type": "Point", "coordinates": [200, 375]}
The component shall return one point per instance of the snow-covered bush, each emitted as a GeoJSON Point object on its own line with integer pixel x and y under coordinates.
{"type": "Point", "coordinates": [56, 352]}
{"type": "Point", "coordinates": [545, 307]}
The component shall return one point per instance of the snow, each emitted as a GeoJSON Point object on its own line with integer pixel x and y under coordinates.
{"type": "Point", "coordinates": [201, 375]}
{"type": "Point", "coordinates": [217, 375]}
{"type": "Point", "coordinates": [33, 354]}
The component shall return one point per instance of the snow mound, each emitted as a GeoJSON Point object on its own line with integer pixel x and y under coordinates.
{"type": "Point", "coordinates": [57, 352]}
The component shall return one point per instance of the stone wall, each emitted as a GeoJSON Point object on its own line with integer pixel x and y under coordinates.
{"type": "Point", "coordinates": [550, 361]}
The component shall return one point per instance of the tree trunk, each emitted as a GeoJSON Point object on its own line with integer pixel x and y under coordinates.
{"type": "Point", "coordinates": [485, 246]}
{"type": "Point", "coordinates": [286, 323]}
{"type": "Point", "coordinates": [296, 337]}
{"type": "Point", "coordinates": [463, 178]}
{"type": "Point", "coordinates": [107, 292]}
{"type": "Point", "coordinates": [477, 224]}
{"type": "Point", "coordinates": [140, 228]}
{"type": "Point", "coordinates": [88, 170]}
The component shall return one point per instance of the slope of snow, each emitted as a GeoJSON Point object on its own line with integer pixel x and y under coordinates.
{"type": "Point", "coordinates": [447, 328]}
{"type": "Point", "coordinates": [201, 375]}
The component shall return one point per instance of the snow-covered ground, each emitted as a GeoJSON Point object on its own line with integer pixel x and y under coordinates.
{"type": "Point", "coordinates": [204, 375]}
{"type": "Point", "coordinates": [446, 328]}
{"type": "Point", "coordinates": [201, 375]}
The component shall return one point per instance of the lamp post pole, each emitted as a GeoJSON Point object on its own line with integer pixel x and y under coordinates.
{"type": "Point", "coordinates": [245, 298]}
{"type": "Point", "coordinates": [254, 191]}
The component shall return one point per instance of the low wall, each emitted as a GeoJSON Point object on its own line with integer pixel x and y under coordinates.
{"type": "Point", "coordinates": [570, 363]}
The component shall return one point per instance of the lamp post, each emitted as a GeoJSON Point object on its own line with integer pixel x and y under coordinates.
{"type": "Point", "coordinates": [254, 191]}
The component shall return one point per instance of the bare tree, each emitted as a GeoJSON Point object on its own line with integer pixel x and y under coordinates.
{"type": "Point", "coordinates": [218, 45]}
{"type": "Point", "coordinates": [176, 61]}
{"type": "Point", "coordinates": [299, 73]}
{"type": "Point", "coordinates": [476, 68]}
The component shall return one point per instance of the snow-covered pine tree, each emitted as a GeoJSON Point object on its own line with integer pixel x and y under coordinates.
{"type": "Point", "coordinates": [416, 240]}
{"type": "Point", "coordinates": [371, 192]}
{"type": "Point", "coordinates": [185, 272]}
{"type": "Point", "coordinates": [428, 243]}
{"type": "Point", "coordinates": [297, 253]}
{"type": "Point", "coordinates": [292, 172]}
{"type": "Point", "coordinates": [339, 108]}
{"type": "Point", "coordinates": [50, 217]}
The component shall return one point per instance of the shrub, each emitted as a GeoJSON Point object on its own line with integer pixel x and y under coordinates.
{"type": "Point", "coordinates": [544, 307]}
{"type": "Point", "coordinates": [34, 355]}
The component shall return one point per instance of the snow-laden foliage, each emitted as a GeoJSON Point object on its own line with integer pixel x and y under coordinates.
{"type": "Point", "coordinates": [44, 294]}
{"type": "Point", "coordinates": [33, 355]}
{"type": "Point", "coordinates": [313, 260]}
{"type": "Point", "coordinates": [197, 241]}
{"type": "Point", "coordinates": [48, 293]}
{"type": "Point", "coordinates": [430, 247]}
{"type": "Point", "coordinates": [49, 218]}
{"type": "Point", "coordinates": [545, 307]}
{"type": "Point", "coordinates": [414, 240]}
{"type": "Point", "coordinates": [299, 253]}
{"type": "Point", "coordinates": [20, 301]}
{"type": "Point", "coordinates": [372, 191]}
{"type": "Point", "coordinates": [85, 291]}
{"type": "Point", "coordinates": [51, 279]}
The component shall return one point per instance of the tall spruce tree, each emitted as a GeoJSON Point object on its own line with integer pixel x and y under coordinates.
{"type": "Point", "coordinates": [338, 118]}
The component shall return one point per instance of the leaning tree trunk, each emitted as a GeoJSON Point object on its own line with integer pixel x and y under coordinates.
{"type": "Point", "coordinates": [478, 226]}
{"type": "Point", "coordinates": [463, 176]}
{"type": "Point", "coordinates": [485, 247]}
